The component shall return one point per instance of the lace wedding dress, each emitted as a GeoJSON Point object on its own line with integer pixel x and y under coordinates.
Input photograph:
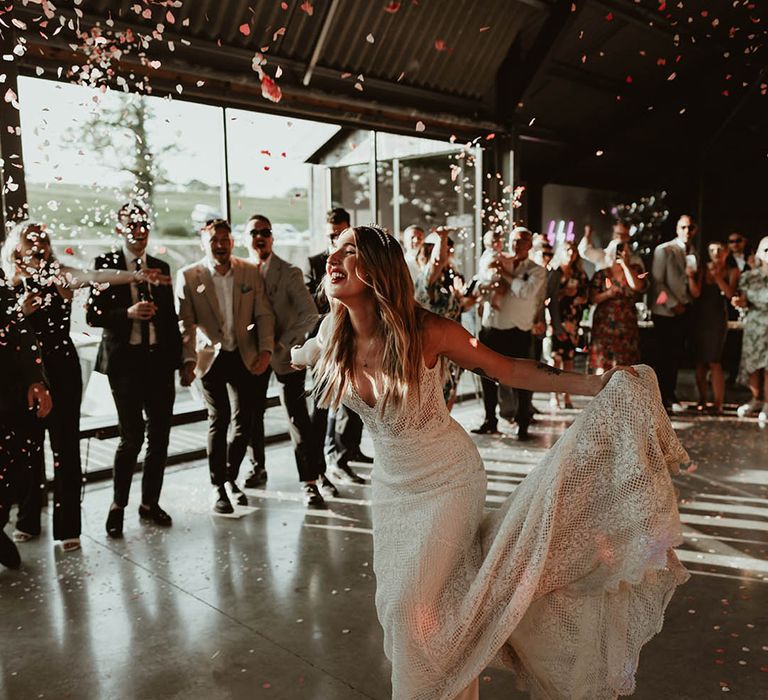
{"type": "Point", "coordinates": [564, 583]}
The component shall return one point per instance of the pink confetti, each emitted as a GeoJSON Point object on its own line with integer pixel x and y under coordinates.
{"type": "Point", "coordinates": [306, 6]}
{"type": "Point", "coordinates": [270, 89]}
{"type": "Point", "coordinates": [392, 7]}
{"type": "Point", "coordinates": [440, 45]}
{"type": "Point", "coordinates": [662, 298]}
{"type": "Point", "coordinates": [245, 29]}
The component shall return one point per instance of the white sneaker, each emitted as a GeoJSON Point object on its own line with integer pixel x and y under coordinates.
{"type": "Point", "coordinates": [763, 415]}
{"type": "Point", "coordinates": [749, 408]}
{"type": "Point", "coordinates": [677, 408]}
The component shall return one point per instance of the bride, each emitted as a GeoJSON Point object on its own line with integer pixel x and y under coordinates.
{"type": "Point", "coordinates": [570, 577]}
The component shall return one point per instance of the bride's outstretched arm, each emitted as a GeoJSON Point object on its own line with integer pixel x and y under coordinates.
{"type": "Point", "coordinates": [454, 342]}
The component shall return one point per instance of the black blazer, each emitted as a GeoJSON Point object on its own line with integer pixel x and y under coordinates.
{"type": "Point", "coordinates": [315, 281]}
{"type": "Point", "coordinates": [108, 309]}
{"type": "Point", "coordinates": [20, 363]}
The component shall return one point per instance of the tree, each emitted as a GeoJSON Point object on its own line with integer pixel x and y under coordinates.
{"type": "Point", "coordinates": [119, 133]}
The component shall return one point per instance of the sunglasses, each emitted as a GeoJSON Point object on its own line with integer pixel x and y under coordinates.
{"type": "Point", "coordinates": [263, 232]}
{"type": "Point", "coordinates": [735, 240]}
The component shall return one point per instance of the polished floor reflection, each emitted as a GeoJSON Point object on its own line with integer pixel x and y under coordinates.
{"type": "Point", "coordinates": [277, 601]}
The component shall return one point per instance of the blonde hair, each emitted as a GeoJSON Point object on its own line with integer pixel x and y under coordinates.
{"type": "Point", "coordinates": [9, 255]}
{"type": "Point", "coordinates": [381, 266]}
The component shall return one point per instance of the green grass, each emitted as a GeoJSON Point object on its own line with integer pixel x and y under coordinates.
{"type": "Point", "coordinates": [78, 210]}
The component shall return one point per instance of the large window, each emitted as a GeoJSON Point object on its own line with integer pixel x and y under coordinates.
{"type": "Point", "coordinates": [269, 175]}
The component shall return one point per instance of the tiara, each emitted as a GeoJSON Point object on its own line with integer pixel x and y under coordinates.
{"type": "Point", "coordinates": [381, 233]}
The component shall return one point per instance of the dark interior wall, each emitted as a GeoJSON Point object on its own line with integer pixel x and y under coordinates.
{"type": "Point", "coordinates": [581, 205]}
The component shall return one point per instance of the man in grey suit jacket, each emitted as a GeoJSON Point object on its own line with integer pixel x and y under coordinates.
{"type": "Point", "coordinates": [674, 264]}
{"type": "Point", "coordinates": [295, 316]}
{"type": "Point", "coordinates": [227, 330]}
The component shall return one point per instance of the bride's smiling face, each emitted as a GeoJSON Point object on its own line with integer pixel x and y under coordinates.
{"type": "Point", "coordinates": [342, 272]}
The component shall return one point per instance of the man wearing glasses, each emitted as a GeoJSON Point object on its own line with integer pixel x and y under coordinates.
{"type": "Point", "coordinates": [342, 427]}
{"type": "Point", "coordinates": [227, 330]}
{"type": "Point", "coordinates": [295, 317]}
{"type": "Point", "coordinates": [737, 253]}
{"type": "Point", "coordinates": [139, 351]}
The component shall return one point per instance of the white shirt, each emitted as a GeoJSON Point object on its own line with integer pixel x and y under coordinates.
{"type": "Point", "coordinates": [740, 261]}
{"type": "Point", "coordinates": [264, 265]}
{"type": "Point", "coordinates": [130, 264]}
{"type": "Point", "coordinates": [223, 285]}
{"type": "Point", "coordinates": [523, 303]}
{"type": "Point", "coordinates": [413, 265]}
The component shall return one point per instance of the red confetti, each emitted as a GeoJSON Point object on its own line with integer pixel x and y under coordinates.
{"type": "Point", "coordinates": [392, 7]}
{"type": "Point", "coordinates": [245, 29]}
{"type": "Point", "coordinates": [629, 79]}
{"type": "Point", "coordinates": [284, 5]}
{"type": "Point", "coordinates": [662, 5]}
{"type": "Point", "coordinates": [609, 17]}
{"type": "Point", "coordinates": [69, 251]}
{"type": "Point", "coordinates": [440, 45]}
{"type": "Point", "coordinates": [306, 6]}
{"type": "Point", "coordinates": [270, 89]}
{"type": "Point", "coordinates": [490, 137]}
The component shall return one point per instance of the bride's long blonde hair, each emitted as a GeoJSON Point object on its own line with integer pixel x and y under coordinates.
{"type": "Point", "coordinates": [381, 266]}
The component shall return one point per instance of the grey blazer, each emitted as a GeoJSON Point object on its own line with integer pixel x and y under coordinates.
{"type": "Point", "coordinates": [669, 277]}
{"type": "Point", "coordinates": [294, 309]}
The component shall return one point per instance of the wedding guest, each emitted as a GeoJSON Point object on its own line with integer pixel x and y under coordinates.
{"type": "Point", "coordinates": [738, 253]}
{"type": "Point", "coordinates": [24, 399]}
{"type": "Point", "coordinates": [716, 285]}
{"type": "Point", "coordinates": [675, 264]}
{"type": "Point", "coordinates": [541, 251]}
{"type": "Point", "coordinates": [295, 317]}
{"type": "Point", "coordinates": [604, 257]}
{"type": "Point", "coordinates": [45, 287]}
{"type": "Point", "coordinates": [567, 293]}
{"type": "Point", "coordinates": [615, 337]}
{"type": "Point", "coordinates": [753, 297]}
{"type": "Point", "coordinates": [739, 256]}
{"type": "Point", "coordinates": [140, 350]}
{"type": "Point", "coordinates": [440, 288]}
{"type": "Point", "coordinates": [491, 283]}
{"type": "Point", "coordinates": [341, 426]}
{"type": "Point", "coordinates": [413, 237]}
{"type": "Point", "coordinates": [507, 330]}
{"type": "Point", "coordinates": [227, 331]}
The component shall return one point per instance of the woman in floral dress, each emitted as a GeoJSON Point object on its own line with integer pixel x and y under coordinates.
{"type": "Point", "coordinates": [615, 335]}
{"type": "Point", "coordinates": [753, 288]}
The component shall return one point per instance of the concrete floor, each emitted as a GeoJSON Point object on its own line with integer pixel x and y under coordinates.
{"type": "Point", "coordinates": [277, 601]}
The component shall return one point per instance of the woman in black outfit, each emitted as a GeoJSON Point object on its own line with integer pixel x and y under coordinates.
{"type": "Point", "coordinates": [44, 287]}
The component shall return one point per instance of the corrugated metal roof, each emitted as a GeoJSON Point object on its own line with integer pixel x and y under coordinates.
{"type": "Point", "coordinates": [430, 44]}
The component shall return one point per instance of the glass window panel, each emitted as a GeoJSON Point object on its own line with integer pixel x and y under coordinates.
{"type": "Point", "coordinates": [269, 175]}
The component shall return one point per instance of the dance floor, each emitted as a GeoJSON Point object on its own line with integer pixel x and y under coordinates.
{"type": "Point", "coordinates": [277, 601]}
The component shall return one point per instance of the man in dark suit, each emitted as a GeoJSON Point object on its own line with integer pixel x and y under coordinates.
{"type": "Point", "coordinates": [23, 397]}
{"type": "Point", "coordinates": [343, 428]}
{"type": "Point", "coordinates": [140, 350]}
{"type": "Point", "coordinates": [295, 317]}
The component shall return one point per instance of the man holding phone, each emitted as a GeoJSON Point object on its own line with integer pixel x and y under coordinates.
{"type": "Point", "coordinates": [674, 269]}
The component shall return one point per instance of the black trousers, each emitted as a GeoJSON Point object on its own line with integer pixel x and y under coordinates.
{"type": "Point", "coordinates": [230, 398]}
{"type": "Point", "coordinates": [511, 342]}
{"type": "Point", "coordinates": [62, 368]}
{"type": "Point", "coordinates": [19, 454]}
{"type": "Point", "coordinates": [307, 444]}
{"type": "Point", "coordinates": [146, 386]}
{"type": "Point", "coordinates": [671, 335]}
{"type": "Point", "coordinates": [343, 434]}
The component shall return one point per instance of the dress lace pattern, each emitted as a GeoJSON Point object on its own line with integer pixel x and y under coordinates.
{"type": "Point", "coordinates": [564, 583]}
